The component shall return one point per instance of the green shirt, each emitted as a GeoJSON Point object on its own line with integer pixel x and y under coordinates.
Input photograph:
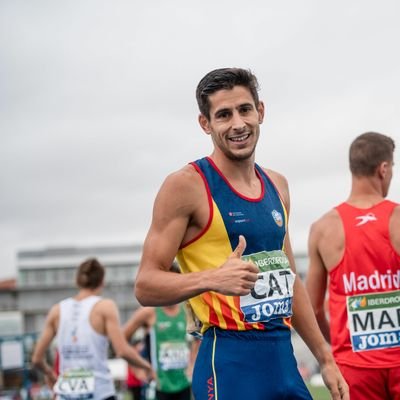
{"type": "Point", "coordinates": [170, 351]}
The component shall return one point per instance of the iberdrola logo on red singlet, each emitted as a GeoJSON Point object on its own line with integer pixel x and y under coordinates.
{"type": "Point", "coordinates": [358, 302]}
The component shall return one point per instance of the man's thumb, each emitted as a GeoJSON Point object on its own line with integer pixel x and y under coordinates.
{"type": "Point", "coordinates": [240, 248]}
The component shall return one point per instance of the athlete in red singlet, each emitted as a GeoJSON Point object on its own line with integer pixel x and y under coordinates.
{"type": "Point", "coordinates": [357, 246]}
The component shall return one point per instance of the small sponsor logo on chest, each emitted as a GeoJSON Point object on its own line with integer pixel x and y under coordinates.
{"type": "Point", "coordinates": [238, 217]}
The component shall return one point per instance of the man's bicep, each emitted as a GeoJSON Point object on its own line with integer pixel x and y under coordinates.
{"type": "Point", "coordinates": [172, 211]}
{"type": "Point", "coordinates": [162, 243]}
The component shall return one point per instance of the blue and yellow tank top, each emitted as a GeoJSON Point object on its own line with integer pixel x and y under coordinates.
{"type": "Point", "coordinates": [263, 222]}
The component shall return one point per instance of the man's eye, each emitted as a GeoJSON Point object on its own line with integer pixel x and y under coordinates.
{"type": "Point", "coordinates": [245, 110]}
{"type": "Point", "coordinates": [223, 115]}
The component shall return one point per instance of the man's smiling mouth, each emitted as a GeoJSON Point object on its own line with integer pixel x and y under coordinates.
{"type": "Point", "coordinates": [240, 138]}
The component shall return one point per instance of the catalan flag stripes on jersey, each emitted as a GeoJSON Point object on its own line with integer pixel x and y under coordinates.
{"type": "Point", "coordinates": [262, 221]}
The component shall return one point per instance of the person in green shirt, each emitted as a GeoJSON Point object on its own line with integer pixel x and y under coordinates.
{"type": "Point", "coordinates": [171, 351]}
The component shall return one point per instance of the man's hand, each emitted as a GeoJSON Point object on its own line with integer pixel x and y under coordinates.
{"type": "Point", "coordinates": [144, 374]}
{"type": "Point", "coordinates": [335, 382]}
{"type": "Point", "coordinates": [50, 377]}
{"type": "Point", "coordinates": [236, 277]}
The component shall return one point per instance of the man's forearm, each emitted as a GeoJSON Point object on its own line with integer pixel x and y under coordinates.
{"type": "Point", "coordinates": [166, 288]}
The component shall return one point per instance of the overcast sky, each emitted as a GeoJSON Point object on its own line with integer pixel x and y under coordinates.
{"type": "Point", "coordinates": [97, 105]}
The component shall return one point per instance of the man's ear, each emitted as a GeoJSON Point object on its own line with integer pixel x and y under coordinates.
{"type": "Point", "coordinates": [383, 169]}
{"type": "Point", "coordinates": [204, 123]}
{"type": "Point", "coordinates": [261, 112]}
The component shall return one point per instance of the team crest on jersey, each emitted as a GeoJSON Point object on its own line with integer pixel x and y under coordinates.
{"type": "Point", "coordinates": [277, 216]}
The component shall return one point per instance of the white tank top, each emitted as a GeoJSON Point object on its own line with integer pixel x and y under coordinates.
{"type": "Point", "coordinates": [80, 346]}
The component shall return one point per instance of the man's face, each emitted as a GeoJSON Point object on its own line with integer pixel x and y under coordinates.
{"type": "Point", "coordinates": [234, 123]}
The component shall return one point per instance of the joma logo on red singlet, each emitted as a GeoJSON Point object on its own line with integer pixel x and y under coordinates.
{"type": "Point", "coordinates": [210, 389]}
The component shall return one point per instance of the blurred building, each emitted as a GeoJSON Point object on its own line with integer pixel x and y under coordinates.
{"type": "Point", "coordinates": [47, 275]}
{"type": "Point", "coordinates": [44, 277]}
{"type": "Point", "coordinates": [8, 295]}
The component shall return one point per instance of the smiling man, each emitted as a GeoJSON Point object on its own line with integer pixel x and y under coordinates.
{"type": "Point", "coordinates": [225, 219]}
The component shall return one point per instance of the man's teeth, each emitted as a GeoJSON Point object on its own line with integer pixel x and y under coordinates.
{"type": "Point", "coordinates": [239, 138]}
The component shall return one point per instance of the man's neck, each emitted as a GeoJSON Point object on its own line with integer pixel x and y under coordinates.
{"type": "Point", "coordinates": [365, 192]}
{"type": "Point", "coordinates": [171, 310]}
{"type": "Point", "coordinates": [84, 293]}
{"type": "Point", "coordinates": [241, 174]}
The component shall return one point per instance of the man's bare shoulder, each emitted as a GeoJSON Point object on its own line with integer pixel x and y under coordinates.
{"type": "Point", "coordinates": [186, 179]}
{"type": "Point", "coordinates": [328, 239]}
{"type": "Point", "coordinates": [277, 177]}
{"type": "Point", "coordinates": [53, 318]}
{"type": "Point", "coordinates": [329, 220]}
{"type": "Point", "coordinates": [54, 313]}
{"type": "Point", "coordinates": [396, 213]}
{"type": "Point", "coordinates": [106, 306]}
{"type": "Point", "coordinates": [330, 216]}
{"type": "Point", "coordinates": [281, 184]}
{"type": "Point", "coordinates": [395, 228]}
{"type": "Point", "coordinates": [181, 191]}
{"type": "Point", "coordinates": [327, 233]}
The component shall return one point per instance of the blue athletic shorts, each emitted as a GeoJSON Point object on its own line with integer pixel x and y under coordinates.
{"type": "Point", "coordinates": [249, 365]}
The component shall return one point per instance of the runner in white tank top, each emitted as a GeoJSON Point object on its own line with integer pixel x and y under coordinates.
{"type": "Point", "coordinates": [80, 346]}
{"type": "Point", "coordinates": [83, 326]}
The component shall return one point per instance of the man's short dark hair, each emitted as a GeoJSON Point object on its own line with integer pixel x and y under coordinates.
{"type": "Point", "coordinates": [224, 78]}
{"type": "Point", "coordinates": [90, 274]}
{"type": "Point", "coordinates": [368, 151]}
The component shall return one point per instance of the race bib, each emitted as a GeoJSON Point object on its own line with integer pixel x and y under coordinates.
{"type": "Point", "coordinates": [374, 320]}
{"type": "Point", "coordinates": [76, 384]}
{"type": "Point", "coordinates": [272, 294]}
{"type": "Point", "coordinates": [173, 355]}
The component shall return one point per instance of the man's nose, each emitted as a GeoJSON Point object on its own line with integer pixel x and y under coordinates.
{"type": "Point", "coordinates": [237, 121]}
